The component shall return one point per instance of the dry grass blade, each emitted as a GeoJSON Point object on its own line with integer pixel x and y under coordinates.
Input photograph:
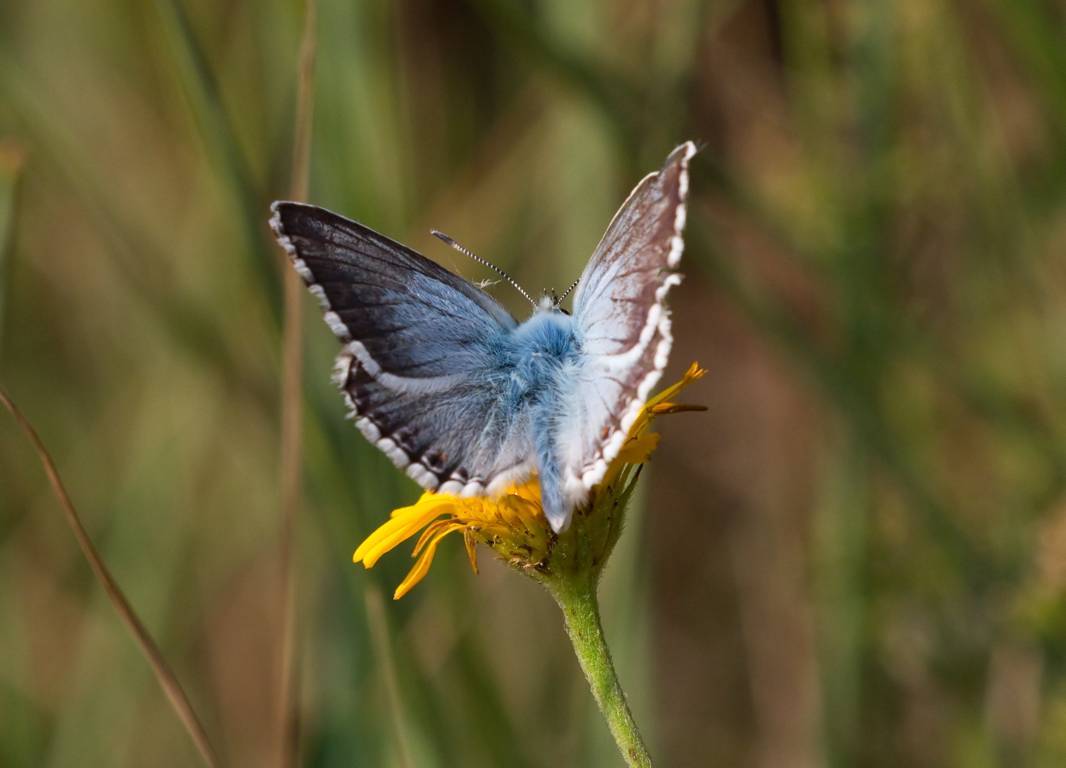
{"type": "Point", "coordinates": [11, 161]}
{"type": "Point", "coordinates": [171, 687]}
{"type": "Point", "coordinates": [383, 652]}
{"type": "Point", "coordinates": [292, 407]}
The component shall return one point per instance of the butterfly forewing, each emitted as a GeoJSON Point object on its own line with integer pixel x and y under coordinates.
{"type": "Point", "coordinates": [622, 321]}
{"type": "Point", "coordinates": [418, 368]}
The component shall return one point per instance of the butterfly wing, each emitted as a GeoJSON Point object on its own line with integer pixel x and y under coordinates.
{"type": "Point", "coordinates": [419, 369]}
{"type": "Point", "coordinates": [622, 322]}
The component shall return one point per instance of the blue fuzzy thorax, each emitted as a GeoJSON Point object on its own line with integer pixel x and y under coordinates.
{"type": "Point", "coordinates": [544, 353]}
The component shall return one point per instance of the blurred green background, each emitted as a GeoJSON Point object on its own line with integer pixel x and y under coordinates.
{"type": "Point", "coordinates": [856, 557]}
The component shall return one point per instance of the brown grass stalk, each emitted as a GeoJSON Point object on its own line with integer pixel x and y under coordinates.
{"type": "Point", "coordinates": [383, 652]}
{"type": "Point", "coordinates": [292, 411]}
{"type": "Point", "coordinates": [169, 683]}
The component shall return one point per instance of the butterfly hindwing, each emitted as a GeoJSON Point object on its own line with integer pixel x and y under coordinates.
{"type": "Point", "coordinates": [418, 369]}
{"type": "Point", "coordinates": [622, 321]}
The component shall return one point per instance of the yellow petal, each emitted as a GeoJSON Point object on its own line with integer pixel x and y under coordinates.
{"type": "Point", "coordinates": [528, 491]}
{"type": "Point", "coordinates": [694, 373]}
{"type": "Point", "coordinates": [421, 567]}
{"type": "Point", "coordinates": [663, 408]}
{"type": "Point", "coordinates": [471, 549]}
{"type": "Point", "coordinates": [404, 523]}
{"type": "Point", "coordinates": [637, 450]}
{"type": "Point", "coordinates": [428, 533]}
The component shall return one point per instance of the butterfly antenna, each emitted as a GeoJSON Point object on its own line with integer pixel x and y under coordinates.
{"type": "Point", "coordinates": [566, 293]}
{"type": "Point", "coordinates": [467, 252]}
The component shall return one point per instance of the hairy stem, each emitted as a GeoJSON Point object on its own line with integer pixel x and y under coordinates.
{"type": "Point", "coordinates": [576, 597]}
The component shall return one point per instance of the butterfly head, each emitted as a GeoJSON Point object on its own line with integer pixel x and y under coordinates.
{"type": "Point", "coordinates": [549, 301]}
{"type": "Point", "coordinates": [552, 301]}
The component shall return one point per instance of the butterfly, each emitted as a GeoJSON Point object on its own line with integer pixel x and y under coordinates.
{"type": "Point", "coordinates": [465, 399]}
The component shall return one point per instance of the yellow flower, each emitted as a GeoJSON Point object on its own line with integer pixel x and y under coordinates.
{"type": "Point", "coordinates": [513, 525]}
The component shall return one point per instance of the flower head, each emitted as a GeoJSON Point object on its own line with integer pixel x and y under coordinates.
{"type": "Point", "coordinates": [513, 525]}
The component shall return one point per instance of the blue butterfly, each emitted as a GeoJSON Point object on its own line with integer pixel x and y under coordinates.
{"type": "Point", "coordinates": [460, 395]}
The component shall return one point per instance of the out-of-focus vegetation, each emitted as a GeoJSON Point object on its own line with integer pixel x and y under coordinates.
{"type": "Point", "coordinates": [857, 557]}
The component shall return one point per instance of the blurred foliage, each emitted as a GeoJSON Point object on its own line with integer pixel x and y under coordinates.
{"type": "Point", "coordinates": [857, 558]}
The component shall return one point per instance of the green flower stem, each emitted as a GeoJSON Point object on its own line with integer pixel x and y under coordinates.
{"type": "Point", "coordinates": [576, 597]}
